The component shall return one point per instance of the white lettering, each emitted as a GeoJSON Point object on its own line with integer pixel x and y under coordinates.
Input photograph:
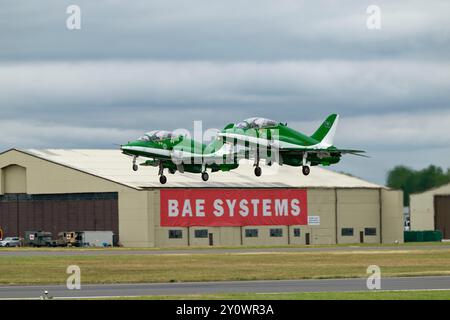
{"type": "Point", "coordinates": [266, 207]}
{"type": "Point", "coordinates": [374, 280]}
{"type": "Point", "coordinates": [244, 208]}
{"type": "Point", "coordinates": [173, 208]}
{"type": "Point", "coordinates": [281, 207]}
{"type": "Point", "coordinates": [373, 21]}
{"type": "Point", "coordinates": [231, 204]}
{"type": "Point", "coordinates": [255, 203]}
{"type": "Point", "coordinates": [73, 22]}
{"type": "Point", "coordinates": [218, 208]}
{"type": "Point", "coordinates": [187, 210]}
{"type": "Point", "coordinates": [74, 280]}
{"type": "Point", "coordinates": [200, 207]}
{"type": "Point", "coordinates": [295, 207]}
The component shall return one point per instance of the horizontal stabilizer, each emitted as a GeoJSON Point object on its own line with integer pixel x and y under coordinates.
{"type": "Point", "coordinates": [341, 151]}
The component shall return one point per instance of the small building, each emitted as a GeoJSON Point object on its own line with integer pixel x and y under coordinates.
{"type": "Point", "coordinates": [96, 190]}
{"type": "Point", "coordinates": [430, 210]}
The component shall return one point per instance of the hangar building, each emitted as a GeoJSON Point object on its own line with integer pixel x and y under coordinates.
{"type": "Point", "coordinates": [430, 210]}
{"type": "Point", "coordinates": [61, 190]}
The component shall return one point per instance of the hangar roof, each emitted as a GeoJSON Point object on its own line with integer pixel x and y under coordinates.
{"type": "Point", "coordinates": [115, 166]}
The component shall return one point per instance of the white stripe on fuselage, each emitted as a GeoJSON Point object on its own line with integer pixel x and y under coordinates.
{"type": "Point", "coordinates": [160, 152]}
{"type": "Point", "coordinates": [278, 144]}
{"type": "Point", "coordinates": [181, 154]}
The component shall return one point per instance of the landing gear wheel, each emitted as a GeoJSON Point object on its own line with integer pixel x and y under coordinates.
{"type": "Point", "coordinates": [172, 171]}
{"type": "Point", "coordinates": [306, 170]}
{"type": "Point", "coordinates": [135, 167]}
{"type": "Point", "coordinates": [205, 176]}
{"type": "Point", "coordinates": [162, 179]}
{"type": "Point", "coordinates": [258, 171]}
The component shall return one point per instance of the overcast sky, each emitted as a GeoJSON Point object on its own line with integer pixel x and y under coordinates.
{"type": "Point", "coordinates": [137, 66]}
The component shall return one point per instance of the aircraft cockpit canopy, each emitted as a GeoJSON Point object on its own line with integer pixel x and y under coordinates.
{"type": "Point", "coordinates": [157, 135]}
{"type": "Point", "coordinates": [256, 123]}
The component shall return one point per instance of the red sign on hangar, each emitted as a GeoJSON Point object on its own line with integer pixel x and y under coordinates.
{"type": "Point", "coordinates": [233, 207]}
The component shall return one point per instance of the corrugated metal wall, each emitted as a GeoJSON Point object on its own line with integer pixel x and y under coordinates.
{"type": "Point", "coordinates": [58, 212]}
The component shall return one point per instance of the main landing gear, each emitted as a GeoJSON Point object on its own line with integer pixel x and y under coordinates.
{"type": "Point", "coordinates": [162, 177]}
{"type": "Point", "coordinates": [305, 168]}
{"type": "Point", "coordinates": [135, 166]}
{"type": "Point", "coordinates": [258, 170]}
{"type": "Point", "coordinates": [205, 175]}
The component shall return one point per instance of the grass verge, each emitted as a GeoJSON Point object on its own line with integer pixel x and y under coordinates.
{"type": "Point", "coordinates": [373, 295]}
{"type": "Point", "coordinates": [206, 248]}
{"type": "Point", "coordinates": [24, 270]}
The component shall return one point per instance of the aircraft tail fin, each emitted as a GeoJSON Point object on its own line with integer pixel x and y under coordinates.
{"type": "Point", "coordinates": [326, 131]}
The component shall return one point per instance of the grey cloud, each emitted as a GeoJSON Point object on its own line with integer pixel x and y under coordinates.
{"type": "Point", "coordinates": [223, 30]}
{"type": "Point", "coordinates": [34, 134]}
{"type": "Point", "coordinates": [139, 94]}
{"type": "Point", "coordinates": [143, 65]}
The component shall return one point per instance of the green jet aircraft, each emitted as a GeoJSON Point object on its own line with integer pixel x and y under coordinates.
{"type": "Point", "coordinates": [286, 145]}
{"type": "Point", "coordinates": [179, 153]}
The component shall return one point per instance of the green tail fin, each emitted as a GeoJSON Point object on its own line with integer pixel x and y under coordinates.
{"type": "Point", "coordinates": [326, 131]}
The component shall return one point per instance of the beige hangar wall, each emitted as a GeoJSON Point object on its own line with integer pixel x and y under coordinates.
{"type": "Point", "coordinates": [23, 173]}
{"type": "Point", "coordinates": [422, 208]}
{"type": "Point", "coordinates": [139, 210]}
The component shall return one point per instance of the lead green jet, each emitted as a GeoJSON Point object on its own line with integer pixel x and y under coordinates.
{"type": "Point", "coordinates": [180, 153]}
{"type": "Point", "coordinates": [286, 145]}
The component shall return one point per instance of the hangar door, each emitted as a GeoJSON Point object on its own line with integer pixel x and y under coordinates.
{"type": "Point", "coordinates": [442, 215]}
{"type": "Point", "coordinates": [58, 212]}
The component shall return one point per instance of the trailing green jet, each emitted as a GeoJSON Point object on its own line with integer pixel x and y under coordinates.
{"type": "Point", "coordinates": [179, 153]}
{"type": "Point", "coordinates": [286, 145]}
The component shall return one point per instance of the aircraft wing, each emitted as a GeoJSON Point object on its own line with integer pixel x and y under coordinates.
{"type": "Point", "coordinates": [300, 150]}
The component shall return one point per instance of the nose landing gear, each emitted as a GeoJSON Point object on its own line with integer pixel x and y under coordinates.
{"type": "Point", "coordinates": [306, 170]}
{"type": "Point", "coordinates": [162, 179]}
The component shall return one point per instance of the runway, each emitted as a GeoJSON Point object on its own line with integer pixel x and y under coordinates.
{"type": "Point", "coordinates": [116, 290]}
{"type": "Point", "coordinates": [89, 252]}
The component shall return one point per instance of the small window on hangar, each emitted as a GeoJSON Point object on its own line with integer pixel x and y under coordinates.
{"type": "Point", "coordinates": [251, 233]}
{"type": "Point", "coordinates": [175, 234]}
{"type": "Point", "coordinates": [201, 233]}
{"type": "Point", "coordinates": [347, 232]}
{"type": "Point", "coordinates": [278, 232]}
{"type": "Point", "coordinates": [370, 231]}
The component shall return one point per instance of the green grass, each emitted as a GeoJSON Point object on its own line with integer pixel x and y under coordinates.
{"type": "Point", "coordinates": [372, 295]}
{"type": "Point", "coordinates": [136, 268]}
{"type": "Point", "coordinates": [118, 249]}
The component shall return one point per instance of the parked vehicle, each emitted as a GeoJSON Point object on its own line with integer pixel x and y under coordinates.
{"type": "Point", "coordinates": [10, 242]}
{"type": "Point", "coordinates": [97, 238]}
{"type": "Point", "coordinates": [71, 238]}
{"type": "Point", "coordinates": [40, 239]}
